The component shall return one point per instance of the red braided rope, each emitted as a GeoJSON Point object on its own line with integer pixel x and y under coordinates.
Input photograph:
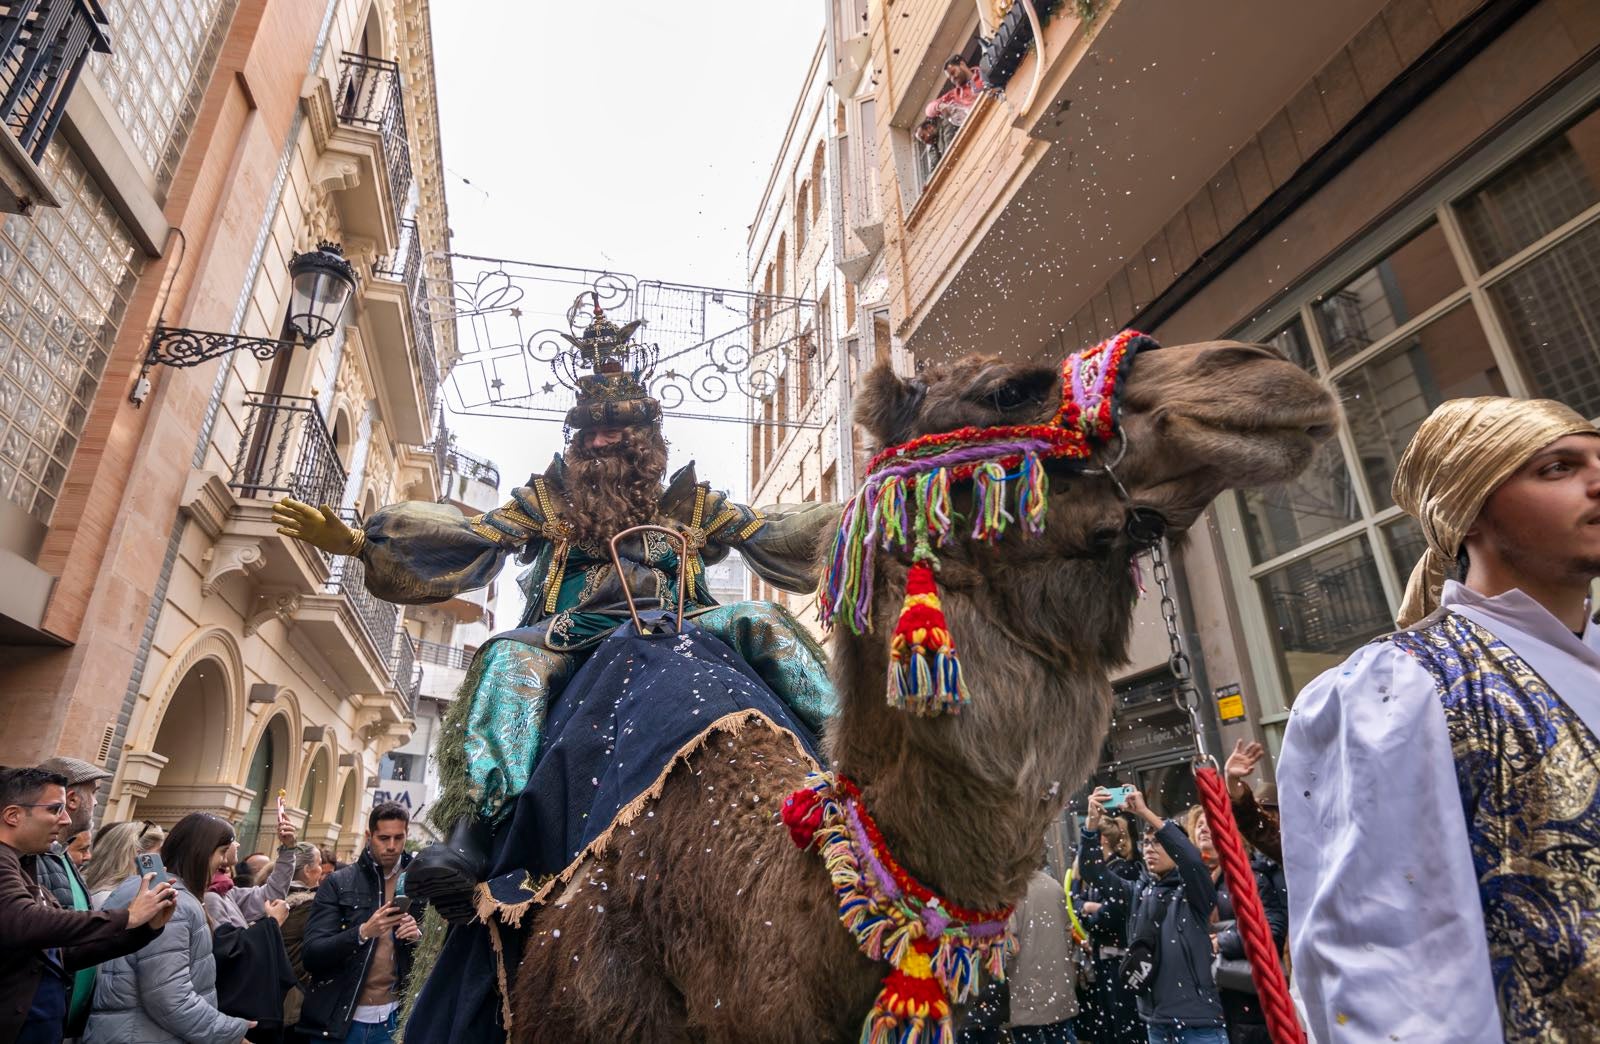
{"type": "Point", "coordinates": [1252, 922]}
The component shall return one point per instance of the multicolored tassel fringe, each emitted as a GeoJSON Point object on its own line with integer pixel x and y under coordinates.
{"type": "Point", "coordinates": [924, 674]}
{"type": "Point", "coordinates": [935, 948]}
{"type": "Point", "coordinates": [904, 505]}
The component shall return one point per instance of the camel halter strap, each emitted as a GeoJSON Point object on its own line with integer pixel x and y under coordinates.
{"type": "Point", "coordinates": [905, 505]}
{"type": "Point", "coordinates": [1259, 948]}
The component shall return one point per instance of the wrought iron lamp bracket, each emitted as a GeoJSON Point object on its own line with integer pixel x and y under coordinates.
{"type": "Point", "coordinates": [180, 346]}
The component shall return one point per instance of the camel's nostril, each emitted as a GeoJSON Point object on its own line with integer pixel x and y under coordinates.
{"type": "Point", "coordinates": [1320, 431]}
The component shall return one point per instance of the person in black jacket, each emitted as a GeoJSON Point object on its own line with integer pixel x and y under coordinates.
{"type": "Point", "coordinates": [358, 943]}
{"type": "Point", "coordinates": [1108, 1014]}
{"type": "Point", "coordinates": [1171, 912]}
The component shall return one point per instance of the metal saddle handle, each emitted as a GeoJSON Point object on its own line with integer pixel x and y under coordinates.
{"type": "Point", "coordinates": [682, 542]}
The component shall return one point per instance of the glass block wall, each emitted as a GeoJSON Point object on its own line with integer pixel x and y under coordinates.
{"type": "Point", "coordinates": [65, 277]}
{"type": "Point", "coordinates": [162, 53]}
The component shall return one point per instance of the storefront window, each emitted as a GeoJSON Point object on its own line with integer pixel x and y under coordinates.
{"type": "Point", "coordinates": [1318, 501]}
{"type": "Point", "coordinates": [1386, 399]}
{"type": "Point", "coordinates": [1322, 606]}
{"type": "Point", "coordinates": [1549, 186]}
{"type": "Point", "coordinates": [1550, 308]}
{"type": "Point", "coordinates": [1329, 554]}
{"type": "Point", "coordinates": [1403, 537]}
{"type": "Point", "coordinates": [1410, 280]}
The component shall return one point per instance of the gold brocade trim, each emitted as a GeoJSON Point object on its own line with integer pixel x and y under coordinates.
{"type": "Point", "coordinates": [753, 526]}
{"type": "Point", "coordinates": [488, 532]}
{"type": "Point", "coordinates": [729, 514]}
{"type": "Point", "coordinates": [515, 515]}
{"type": "Point", "coordinates": [699, 516]}
{"type": "Point", "coordinates": [559, 531]}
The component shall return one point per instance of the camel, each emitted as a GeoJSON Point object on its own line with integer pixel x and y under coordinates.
{"type": "Point", "coordinates": [703, 921]}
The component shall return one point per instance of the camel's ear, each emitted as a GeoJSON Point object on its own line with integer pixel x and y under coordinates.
{"type": "Point", "coordinates": [887, 405]}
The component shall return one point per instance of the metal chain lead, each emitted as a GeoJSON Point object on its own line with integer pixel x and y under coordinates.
{"type": "Point", "coordinates": [1187, 696]}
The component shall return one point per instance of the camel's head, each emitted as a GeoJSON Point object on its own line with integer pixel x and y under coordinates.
{"type": "Point", "coordinates": [1197, 419]}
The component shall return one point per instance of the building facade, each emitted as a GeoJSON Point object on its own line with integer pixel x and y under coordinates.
{"type": "Point", "coordinates": [153, 620]}
{"type": "Point", "coordinates": [1402, 195]}
{"type": "Point", "coordinates": [802, 305]}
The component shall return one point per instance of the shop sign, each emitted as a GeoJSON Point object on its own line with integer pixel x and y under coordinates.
{"type": "Point", "coordinates": [403, 792]}
{"type": "Point", "coordinates": [1230, 704]}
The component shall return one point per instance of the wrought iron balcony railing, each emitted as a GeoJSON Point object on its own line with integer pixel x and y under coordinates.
{"type": "Point", "coordinates": [406, 266]}
{"type": "Point", "coordinates": [370, 97]}
{"type": "Point", "coordinates": [473, 467]}
{"type": "Point", "coordinates": [444, 655]}
{"type": "Point", "coordinates": [406, 670]}
{"type": "Point", "coordinates": [286, 450]}
{"type": "Point", "coordinates": [43, 45]}
{"type": "Point", "coordinates": [347, 577]}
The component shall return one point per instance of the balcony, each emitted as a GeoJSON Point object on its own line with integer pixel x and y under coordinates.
{"type": "Point", "coordinates": [470, 482]}
{"type": "Point", "coordinates": [364, 152]}
{"type": "Point", "coordinates": [43, 45]}
{"type": "Point", "coordinates": [444, 667]}
{"type": "Point", "coordinates": [285, 449]}
{"type": "Point", "coordinates": [397, 325]}
{"type": "Point", "coordinates": [406, 670]}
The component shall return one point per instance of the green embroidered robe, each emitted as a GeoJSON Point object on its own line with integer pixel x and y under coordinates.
{"type": "Point", "coordinates": [419, 552]}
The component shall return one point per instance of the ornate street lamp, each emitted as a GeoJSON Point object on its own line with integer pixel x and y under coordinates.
{"type": "Point", "coordinates": [322, 282]}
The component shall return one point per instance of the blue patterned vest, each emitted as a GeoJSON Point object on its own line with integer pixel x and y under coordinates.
{"type": "Point", "coordinates": [1529, 773]}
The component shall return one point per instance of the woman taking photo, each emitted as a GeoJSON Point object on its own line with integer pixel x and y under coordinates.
{"type": "Point", "coordinates": [167, 992]}
{"type": "Point", "coordinates": [115, 845]}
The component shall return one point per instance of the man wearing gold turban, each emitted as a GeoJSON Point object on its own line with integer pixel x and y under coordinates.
{"type": "Point", "coordinates": [1440, 790]}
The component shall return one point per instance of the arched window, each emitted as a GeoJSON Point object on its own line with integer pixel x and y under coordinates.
{"type": "Point", "coordinates": [819, 160]}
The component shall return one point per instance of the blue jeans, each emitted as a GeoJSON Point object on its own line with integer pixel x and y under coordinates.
{"type": "Point", "coordinates": [1187, 1035]}
{"type": "Point", "coordinates": [382, 1032]}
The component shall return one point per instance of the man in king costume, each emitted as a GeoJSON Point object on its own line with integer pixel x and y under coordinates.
{"type": "Point", "coordinates": [1440, 790]}
{"type": "Point", "coordinates": [609, 480]}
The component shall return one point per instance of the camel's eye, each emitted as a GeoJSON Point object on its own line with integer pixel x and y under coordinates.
{"type": "Point", "coordinates": [1013, 395]}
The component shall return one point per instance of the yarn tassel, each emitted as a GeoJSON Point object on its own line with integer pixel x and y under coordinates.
{"type": "Point", "coordinates": [911, 1008]}
{"type": "Point", "coordinates": [924, 674]}
{"type": "Point", "coordinates": [989, 501]}
{"type": "Point", "coordinates": [1032, 491]}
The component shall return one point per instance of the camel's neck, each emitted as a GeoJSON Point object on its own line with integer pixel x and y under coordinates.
{"type": "Point", "coordinates": [964, 801]}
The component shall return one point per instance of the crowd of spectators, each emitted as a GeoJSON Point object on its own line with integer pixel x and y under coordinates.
{"type": "Point", "coordinates": [1138, 945]}
{"type": "Point", "coordinates": [132, 932]}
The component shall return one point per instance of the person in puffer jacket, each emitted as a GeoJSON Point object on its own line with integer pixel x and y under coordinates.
{"type": "Point", "coordinates": [166, 993]}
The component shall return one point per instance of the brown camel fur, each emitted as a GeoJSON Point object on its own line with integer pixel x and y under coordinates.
{"type": "Point", "coordinates": [701, 920]}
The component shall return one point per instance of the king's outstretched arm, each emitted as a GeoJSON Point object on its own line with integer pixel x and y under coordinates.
{"type": "Point", "coordinates": [416, 551]}
{"type": "Point", "coordinates": [781, 542]}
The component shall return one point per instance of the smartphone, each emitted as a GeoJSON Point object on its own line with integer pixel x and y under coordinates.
{"type": "Point", "coordinates": [401, 903]}
{"type": "Point", "coordinates": [150, 863]}
{"type": "Point", "coordinates": [1118, 796]}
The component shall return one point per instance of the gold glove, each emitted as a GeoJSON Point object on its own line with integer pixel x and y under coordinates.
{"type": "Point", "coordinates": [318, 526]}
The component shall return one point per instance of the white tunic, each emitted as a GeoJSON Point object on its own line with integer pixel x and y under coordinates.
{"type": "Point", "coordinates": [1385, 924]}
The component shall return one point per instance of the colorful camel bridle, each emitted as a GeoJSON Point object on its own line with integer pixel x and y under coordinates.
{"type": "Point", "coordinates": [935, 947]}
{"type": "Point", "coordinates": [904, 504]}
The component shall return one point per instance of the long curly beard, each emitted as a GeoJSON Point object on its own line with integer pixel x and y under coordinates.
{"type": "Point", "coordinates": [614, 488]}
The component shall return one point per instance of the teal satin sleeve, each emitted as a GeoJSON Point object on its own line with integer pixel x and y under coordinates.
{"type": "Point", "coordinates": [418, 552]}
{"type": "Point", "coordinates": [782, 652]}
{"type": "Point", "coordinates": [492, 732]}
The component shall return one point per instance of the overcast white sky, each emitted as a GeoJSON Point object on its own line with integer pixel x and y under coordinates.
{"type": "Point", "coordinates": [631, 135]}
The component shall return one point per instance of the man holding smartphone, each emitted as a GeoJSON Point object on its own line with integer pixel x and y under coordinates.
{"type": "Point", "coordinates": [45, 944]}
{"type": "Point", "coordinates": [359, 939]}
